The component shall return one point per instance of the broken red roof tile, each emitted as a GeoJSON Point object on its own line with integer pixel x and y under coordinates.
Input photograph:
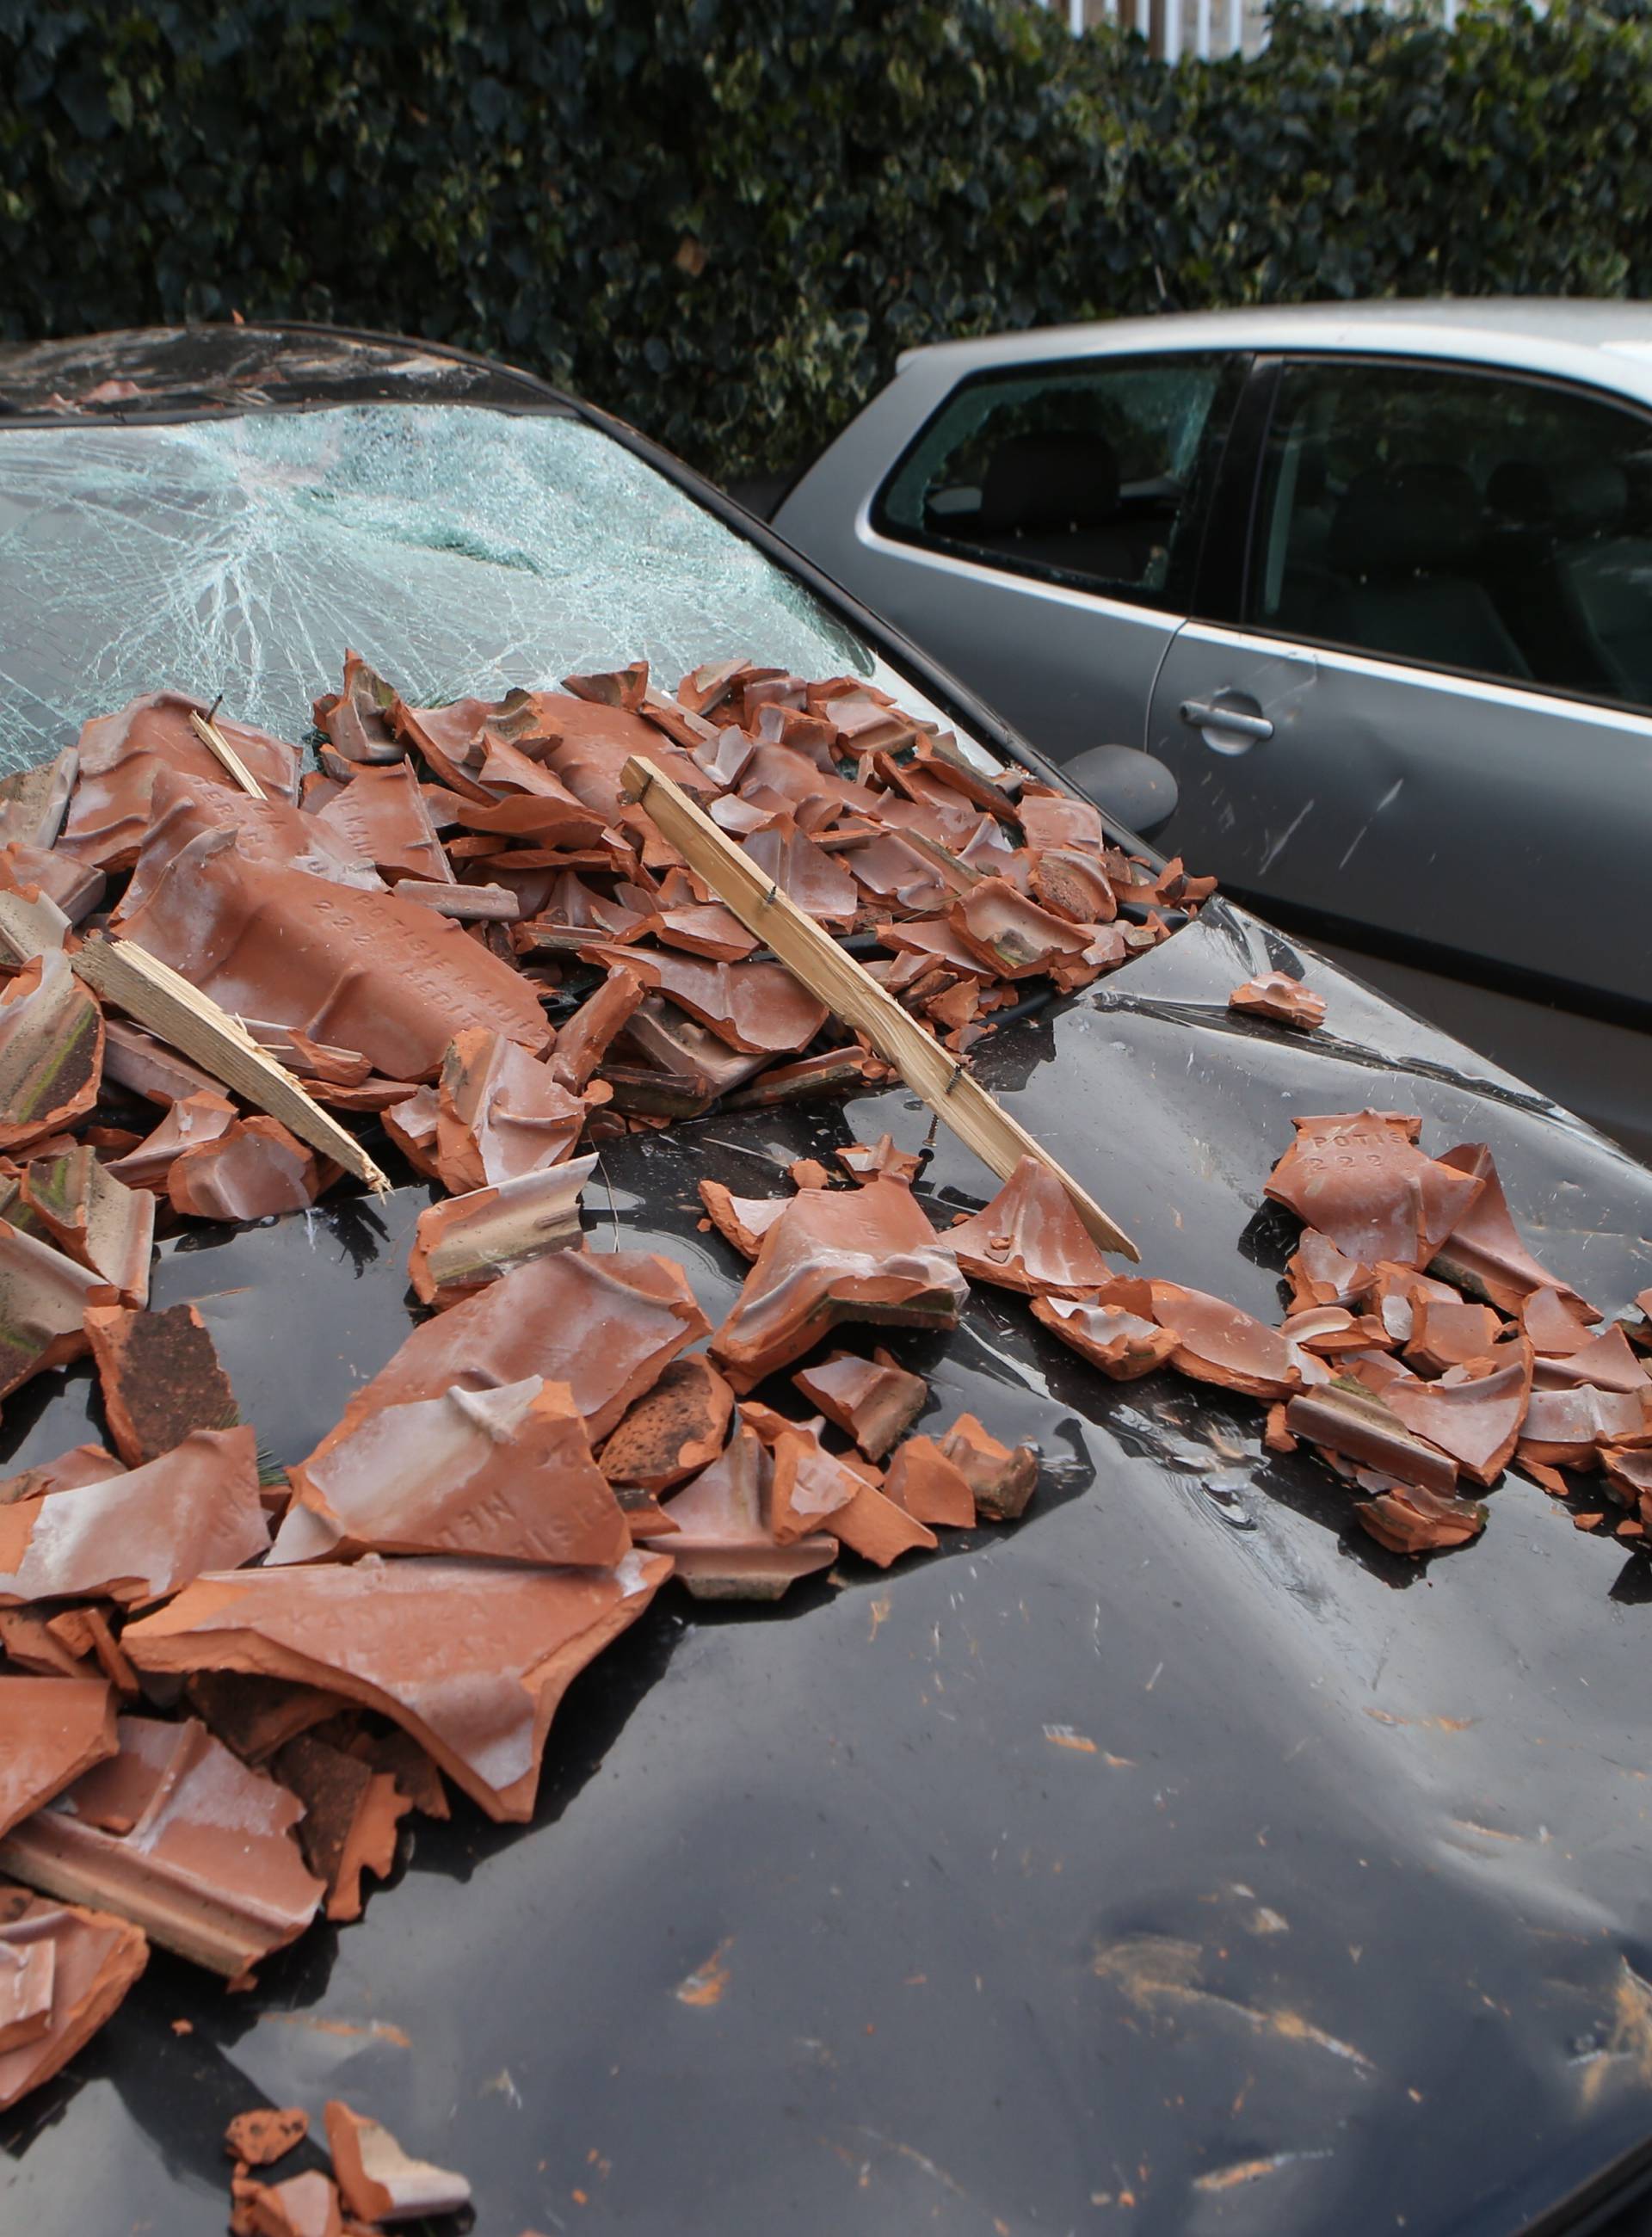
{"type": "Point", "coordinates": [192, 1120]}
{"type": "Point", "coordinates": [929, 1487]}
{"type": "Point", "coordinates": [758, 1008]}
{"type": "Point", "coordinates": [1485, 1254]}
{"type": "Point", "coordinates": [266, 831]}
{"type": "Point", "coordinates": [304, 2205]}
{"type": "Point", "coordinates": [120, 755]}
{"type": "Point", "coordinates": [742, 1220]}
{"type": "Point", "coordinates": [1054, 818]}
{"type": "Point", "coordinates": [380, 2182]}
{"type": "Point", "coordinates": [673, 1430]}
{"type": "Point", "coordinates": [355, 720]}
{"type": "Point", "coordinates": [383, 817]}
{"type": "Point", "coordinates": [1280, 999]}
{"type": "Point", "coordinates": [1319, 1274]}
{"type": "Point", "coordinates": [1556, 1326]}
{"type": "Point", "coordinates": [94, 1960]}
{"type": "Point", "coordinates": [51, 1729]}
{"type": "Point", "coordinates": [502, 1114]}
{"type": "Point", "coordinates": [88, 1213]}
{"type": "Point", "coordinates": [266, 2134]}
{"type": "Point", "coordinates": [33, 802]}
{"type": "Point", "coordinates": [470, 1658]}
{"type": "Point", "coordinates": [467, 1241]}
{"type": "Point", "coordinates": [51, 1051]}
{"type": "Point", "coordinates": [411, 1123]}
{"type": "Point", "coordinates": [251, 1171]}
{"type": "Point", "coordinates": [1074, 885]}
{"type": "Point", "coordinates": [815, 882]}
{"type": "Point", "coordinates": [836, 1255]}
{"type": "Point", "coordinates": [1003, 1479]}
{"type": "Point", "coordinates": [1029, 1238]}
{"type": "Point", "coordinates": [1606, 1362]}
{"type": "Point", "coordinates": [606, 1324]}
{"type": "Point", "coordinates": [352, 1814]}
{"type": "Point", "coordinates": [864, 1159]}
{"type": "Point", "coordinates": [1450, 1335]}
{"type": "Point", "coordinates": [810, 1487]}
{"type": "Point", "coordinates": [141, 1533]}
{"type": "Point", "coordinates": [135, 1059]}
{"type": "Point", "coordinates": [309, 1059]}
{"type": "Point", "coordinates": [710, 930]}
{"type": "Point", "coordinates": [1408, 1520]}
{"type": "Point", "coordinates": [875, 1401]}
{"type": "Point", "coordinates": [359, 971]}
{"type": "Point", "coordinates": [876, 1527]}
{"type": "Point", "coordinates": [75, 887]}
{"type": "Point", "coordinates": [1121, 1344]}
{"type": "Point", "coordinates": [828, 1072]}
{"type": "Point", "coordinates": [504, 1474]}
{"type": "Point", "coordinates": [1358, 1177]}
{"type": "Point", "coordinates": [1365, 1431]}
{"type": "Point", "coordinates": [583, 1041]}
{"type": "Point", "coordinates": [1012, 934]}
{"type": "Point", "coordinates": [182, 1838]}
{"type": "Point", "coordinates": [81, 1464]}
{"type": "Point", "coordinates": [1477, 1420]}
{"type": "Point", "coordinates": [159, 1378]}
{"type": "Point", "coordinates": [724, 1543]}
{"type": "Point", "coordinates": [256, 1716]}
{"type": "Point", "coordinates": [44, 1297]}
{"type": "Point", "coordinates": [1217, 1342]}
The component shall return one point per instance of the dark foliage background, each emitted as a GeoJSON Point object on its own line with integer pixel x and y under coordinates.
{"type": "Point", "coordinates": [725, 218]}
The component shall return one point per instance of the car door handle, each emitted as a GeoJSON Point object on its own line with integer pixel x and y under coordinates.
{"type": "Point", "coordinates": [1200, 715]}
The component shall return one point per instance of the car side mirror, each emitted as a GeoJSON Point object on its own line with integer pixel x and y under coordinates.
{"type": "Point", "coordinates": [1127, 784]}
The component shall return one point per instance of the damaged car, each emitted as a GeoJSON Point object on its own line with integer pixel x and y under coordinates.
{"type": "Point", "coordinates": [748, 1479]}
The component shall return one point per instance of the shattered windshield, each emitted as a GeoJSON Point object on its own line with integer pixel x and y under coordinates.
{"type": "Point", "coordinates": [456, 550]}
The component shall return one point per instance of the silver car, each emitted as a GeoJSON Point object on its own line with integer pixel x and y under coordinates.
{"type": "Point", "coordinates": [1372, 584]}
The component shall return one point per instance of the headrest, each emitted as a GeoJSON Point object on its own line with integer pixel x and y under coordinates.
{"type": "Point", "coordinates": [1052, 481]}
{"type": "Point", "coordinates": [1396, 521]}
{"type": "Point", "coordinates": [1591, 499]}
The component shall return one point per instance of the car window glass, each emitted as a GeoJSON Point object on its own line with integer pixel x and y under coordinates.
{"type": "Point", "coordinates": [1461, 520]}
{"type": "Point", "coordinates": [1077, 472]}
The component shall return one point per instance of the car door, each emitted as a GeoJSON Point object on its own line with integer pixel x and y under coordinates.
{"type": "Point", "coordinates": [1429, 711]}
{"type": "Point", "coordinates": [1039, 534]}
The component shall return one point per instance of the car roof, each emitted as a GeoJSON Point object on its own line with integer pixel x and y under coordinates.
{"type": "Point", "coordinates": [1608, 344]}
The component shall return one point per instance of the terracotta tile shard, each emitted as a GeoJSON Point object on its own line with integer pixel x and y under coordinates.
{"type": "Point", "coordinates": [504, 1474]}
{"type": "Point", "coordinates": [304, 2205]}
{"type": "Point", "coordinates": [1555, 1326]}
{"type": "Point", "coordinates": [1029, 1238]}
{"type": "Point", "coordinates": [1408, 1520]}
{"type": "Point", "coordinates": [357, 970]}
{"type": "Point", "coordinates": [382, 817]}
{"type": "Point", "coordinates": [1475, 1420]}
{"type": "Point", "coordinates": [837, 1255]}
{"type": "Point", "coordinates": [470, 1658]}
{"type": "Point", "coordinates": [81, 1464]}
{"type": "Point", "coordinates": [1484, 1254]}
{"type": "Point", "coordinates": [88, 1634]}
{"type": "Point", "coordinates": [268, 833]}
{"type": "Point", "coordinates": [724, 1544]}
{"type": "Point", "coordinates": [256, 1716]}
{"type": "Point", "coordinates": [875, 1401]}
{"type": "Point", "coordinates": [758, 1008]}
{"type": "Point", "coordinates": [1366, 1432]}
{"type": "Point", "coordinates": [606, 1324]}
{"type": "Point", "coordinates": [1444, 1335]}
{"type": "Point", "coordinates": [877, 1529]}
{"type": "Point", "coordinates": [355, 721]}
{"type": "Point", "coordinates": [266, 2134]}
{"type": "Point", "coordinates": [809, 1487]}
{"type": "Point", "coordinates": [501, 1113]}
{"type": "Point", "coordinates": [1121, 1344]}
{"type": "Point", "coordinates": [381, 2182]}
{"type": "Point", "coordinates": [140, 1535]}
{"type": "Point", "coordinates": [78, 1204]}
{"type": "Point", "coordinates": [1606, 1362]}
{"type": "Point", "coordinates": [1282, 1000]}
{"type": "Point", "coordinates": [192, 1121]}
{"type": "Point", "coordinates": [33, 802]}
{"type": "Point", "coordinates": [51, 1729]}
{"type": "Point", "coordinates": [583, 1041]}
{"type": "Point", "coordinates": [28, 1976]}
{"type": "Point", "coordinates": [830, 1072]}
{"type": "Point", "coordinates": [1217, 1342]}
{"type": "Point", "coordinates": [1075, 886]}
{"type": "Point", "coordinates": [159, 1378]}
{"type": "Point", "coordinates": [470, 1241]}
{"type": "Point", "coordinates": [813, 881]}
{"type": "Point", "coordinates": [1331, 1332]}
{"type": "Point", "coordinates": [1567, 1428]}
{"type": "Point", "coordinates": [412, 1124]}
{"type": "Point", "coordinates": [463, 904]}
{"type": "Point", "coordinates": [1319, 1274]}
{"type": "Point", "coordinates": [309, 1059]}
{"type": "Point", "coordinates": [30, 1644]}
{"type": "Point", "coordinates": [95, 1959]}
{"type": "Point", "coordinates": [135, 1059]}
{"type": "Point", "coordinates": [51, 1051]}
{"type": "Point", "coordinates": [45, 1298]}
{"type": "Point", "coordinates": [1359, 1178]}
{"type": "Point", "coordinates": [929, 1487]}
{"type": "Point", "coordinates": [182, 1838]}
{"type": "Point", "coordinates": [29, 872]}
{"type": "Point", "coordinates": [252, 1170]}
{"type": "Point", "coordinates": [352, 1814]}
{"type": "Point", "coordinates": [673, 1430]}
{"type": "Point", "coordinates": [742, 1220]}
{"type": "Point", "coordinates": [865, 1161]}
{"type": "Point", "coordinates": [1003, 1479]}
{"type": "Point", "coordinates": [1012, 934]}
{"type": "Point", "coordinates": [121, 755]}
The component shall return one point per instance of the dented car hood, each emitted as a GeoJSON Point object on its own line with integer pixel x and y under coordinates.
{"type": "Point", "coordinates": [1175, 1859]}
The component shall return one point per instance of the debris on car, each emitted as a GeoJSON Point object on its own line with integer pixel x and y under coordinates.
{"type": "Point", "coordinates": [1282, 1000]}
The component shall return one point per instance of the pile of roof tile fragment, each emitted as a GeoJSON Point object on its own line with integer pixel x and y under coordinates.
{"type": "Point", "coordinates": [220, 1694]}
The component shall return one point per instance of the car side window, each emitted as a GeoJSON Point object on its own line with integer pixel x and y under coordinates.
{"type": "Point", "coordinates": [1078, 473]}
{"type": "Point", "coordinates": [1462, 520]}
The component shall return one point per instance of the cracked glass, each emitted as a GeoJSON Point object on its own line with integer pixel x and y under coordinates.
{"type": "Point", "coordinates": [457, 549]}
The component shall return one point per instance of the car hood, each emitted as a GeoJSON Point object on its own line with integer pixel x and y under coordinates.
{"type": "Point", "coordinates": [1176, 1853]}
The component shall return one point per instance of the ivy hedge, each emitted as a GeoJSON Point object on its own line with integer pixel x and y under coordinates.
{"type": "Point", "coordinates": [723, 218]}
